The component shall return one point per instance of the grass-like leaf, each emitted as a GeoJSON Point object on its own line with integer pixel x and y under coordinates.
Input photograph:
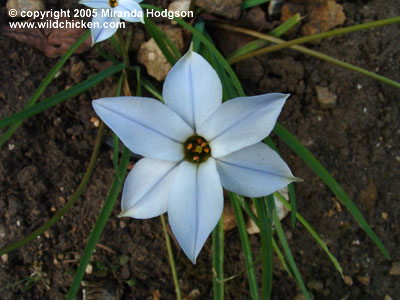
{"type": "Point", "coordinates": [244, 238]}
{"type": "Point", "coordinates": [313, 233]}
{"type": "Point", "coordinates": [100, 224]}
{"type": "Point", "coordinates": [260, 43]}
{"type": "Point", "coordinates": [286, 249]}
{"type": "Point", "coordinates": [265, 225]}
{"type": "Point", "coordinates": [165, 44]}
{"type": "Point", "coordinates": [218, 259]}
{"type": "Point", "coordinates": [250, 3]}
{"type": "Point", "coordinates": [60, 97]}
{"type": "Point", "coordinates": [42, 87]}
{"type": "Point", "coordinates": [316, 166]}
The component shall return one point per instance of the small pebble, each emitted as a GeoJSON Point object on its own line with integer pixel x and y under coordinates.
{"type": "Point", "coordinates": [315, 285]}
{"type": "Point", "coordinates": [359, 86]}
{"type": "Point", "coordinates": [364, 280]}
{"type": "Point", "coordinates": [95, 121]}
{"type": "Point", "coordinates": [384, 215]}
{"type": "Point", "coordinates": [395, 269]}
{"type": "Point", "coordinates": [4, 258]}
{"type": "Point", "coordinates": [11, 147]}
{"type": "Point", "coordinates": [387, 297]}
{"type": "Point", "coordinates": [348, 280]}
{"type": "Point", "coordinates": [122, 224]}
{"type": "Point", "coordinates": [89, 269]}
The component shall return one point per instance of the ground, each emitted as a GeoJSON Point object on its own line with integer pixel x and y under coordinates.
{"type": "Point", "coordinates": [358, 141]}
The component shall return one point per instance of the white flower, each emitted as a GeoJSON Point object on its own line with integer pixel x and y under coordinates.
{"type": "Point", "coordinates": [192, 147]}
{"type": "Point", "coordinates": [108, 15]}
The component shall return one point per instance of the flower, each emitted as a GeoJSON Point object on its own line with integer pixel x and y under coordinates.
{"type": "Point", "coordinates": [193, 146]}
{"type": "Point", "coordinates": [109, 14]}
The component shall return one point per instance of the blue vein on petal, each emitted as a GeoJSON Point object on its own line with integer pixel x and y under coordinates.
{"type": "Point", "coordinates": [196, 213]}
{"type": "Point", "coordinates": [245, 117]}
{"type": "Point", "coordinates": [254, 170]}
{"type": "Point", "coordinates": [143, 125]}
{"type": "Point", "coordinates": [192, 94]}
{"type": "Point", "coordinates": [161, 179]}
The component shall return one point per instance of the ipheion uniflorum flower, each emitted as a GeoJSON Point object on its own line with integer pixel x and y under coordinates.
{"type": "Point", "coordinates": [193, 145]}
{"type": "Point", "coordinates": [109, 14]}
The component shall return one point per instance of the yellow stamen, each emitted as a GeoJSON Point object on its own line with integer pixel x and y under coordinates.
{"type": "Point", "coordinates": [196, 157]}
{"type": "Point", "coordinates": [189, 146]}
{"type": "Point", "coordinates": [206, 150]}
{"type": "Point", "coordinates": [199, 140]}
{"type": "Point", "coordinates": [113, 3]}
{"type": "Point", "coordinates": [199, 149]}
{"type": "Point", "coordinates": [203, 144]}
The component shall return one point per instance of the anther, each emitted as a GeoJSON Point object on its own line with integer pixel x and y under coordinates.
{"type": "Point", "coordinates": [199, 140]}
{"type": "Point", "coordinates": [189, 146]}
{"type": "Point", "coordinates": [203, 144]}
{"type": "Point", "coordinates": [196, 157]}
{"type": "Point", "coordinates": [206, 150]}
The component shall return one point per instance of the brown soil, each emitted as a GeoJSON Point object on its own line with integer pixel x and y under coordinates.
{"type": "Point", "coordinates": [358, 141]}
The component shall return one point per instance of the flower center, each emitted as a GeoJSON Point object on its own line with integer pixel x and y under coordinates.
{"type": "Point", "coordinates": [113, 3]}
{"type": "Point", "coordinates": [196, 149]}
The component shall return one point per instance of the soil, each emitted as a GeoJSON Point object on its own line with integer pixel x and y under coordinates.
{"type": "Point", "coordinates": [358, 141]}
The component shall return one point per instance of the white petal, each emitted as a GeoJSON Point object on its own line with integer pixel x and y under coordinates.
{"type": "Point", "coordinates": [96, 4]}
{"type": "Point", "coordinates": [134, 9]}
{"type": "Point", "coordinates": [192, 89]}
{"type": "Point", "coordinates": [241, 122]}
{"type": "Point", "coordinates": [146, 188]}
{"type": "Point", "coordinates": [254, 171]}
{"type": "Point", "coordinates": [146, 126]}
{"type": "Point", "coordinates": [195, 204]}
{"type": "Point", "coordinates": [99, 31]}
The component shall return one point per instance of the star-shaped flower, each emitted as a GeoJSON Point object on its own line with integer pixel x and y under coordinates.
{"type": "Point", "coordinates": [193, 145]}
{"type": "Point", "coordinates": [109, 13]}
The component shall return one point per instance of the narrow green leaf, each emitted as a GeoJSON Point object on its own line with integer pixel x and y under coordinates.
{"type": "Point", "coordinates": [288, 253]}
{"type": "Point", "coordinates": [260, 43]}
{"type": "Point", "coordinates": [250, 3]}
{"type": "Point", "coordinates": [218, 259]}
{"type": "Point", "coordinates": [171, 259]}
{"type": "Point", "coordinates": [316, 166]}
{"type": "Point", "coordinates": [265, 225]}
{"type": "Point", "coordinates": [61, 96]}
{"type": "Point", "coordinates": [166, 46]}
{"type": "Point", "coordinates": [100, 224]}
{"type": "Point", "coordinates": [312, 231]}
{"type": "Point", "coordinates": [244, 238]}
{"type": "Point", "coordinates": [74, 197]}
{"type": "Point", "coordinates": [46, 81]}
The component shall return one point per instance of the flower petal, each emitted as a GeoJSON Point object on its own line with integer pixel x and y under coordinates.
{"type": "Point", "coordinates": [133, 8]}
{"type": "Point", "coordinates": [241, 122]}
{"type": "Point", "coordinates": [146, 188]}
{"type": "Point", "coordinates": [99, 31]}
{"type": "Point", "coordinates": [195, 205]}
{"type": "Point", "coordinates": [146, 126]}
{"type": "Point", "coordinates": [192, 89]}
{"type": "Point", "coordinates": [254, 171]}
{"type": "Point", "coordinates": [96, 4]}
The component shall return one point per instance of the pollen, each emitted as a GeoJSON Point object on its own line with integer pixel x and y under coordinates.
{"type": "Point", "coordinates": [189, 146]}
{"type": "Point", "coordinates": [196, 158]}
{"type": "Point", "coordinates": [206, 150]}
{"type": "Point", "coordinates": [203, 144]}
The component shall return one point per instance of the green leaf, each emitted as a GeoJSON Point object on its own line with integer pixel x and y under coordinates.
{"type": "Point", "coordinates": [250, 3]}
{"type": "Point", "coordinates": [265, 225]}
{"type": "Point", "coordinates": [218, 259]}
{"type": "Point", "coordinates": [286, 249]}
{"type": "Point", "coordinates": [244, 238]}
{"type": "Point", "coordinates": [313, 233]}
{"type": "Point", "coordinates": [100, 224]}
{"type": "Point", "coordinates": [316, 166]}
{"type": "Point", "coordinates": [61, 96]}
{"type": "Point", "coordinates": [46, 81]}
